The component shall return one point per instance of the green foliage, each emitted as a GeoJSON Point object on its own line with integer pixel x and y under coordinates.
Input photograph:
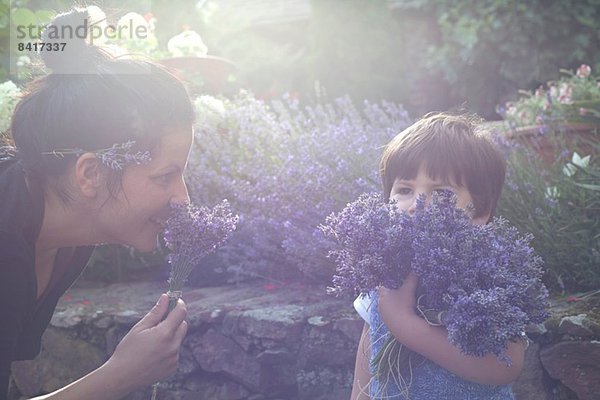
{"type": "Point", "coordinates": [486, 49]}
{"type": "Point", "coordinates": [560, 205]}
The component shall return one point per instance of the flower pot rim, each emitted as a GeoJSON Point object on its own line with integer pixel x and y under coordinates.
{"type": "Point", "coordinates": [567, 126]}
{"type": "Point", "coordinates": [168, 61]}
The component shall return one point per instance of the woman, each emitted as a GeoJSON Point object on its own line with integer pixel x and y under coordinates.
{"type": "Point", "coordinates": [100, 148]}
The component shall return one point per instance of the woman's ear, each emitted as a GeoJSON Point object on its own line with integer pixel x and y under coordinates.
{"type": "Point", "coordinates": [88, 175]}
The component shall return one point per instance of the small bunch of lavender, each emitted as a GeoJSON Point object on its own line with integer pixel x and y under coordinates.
{"type": "Point", "coordinates": [191, 234]}
{"type": "Point", "coordinates": [483, 281]}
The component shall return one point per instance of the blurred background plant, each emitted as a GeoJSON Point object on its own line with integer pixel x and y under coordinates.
{"type": "Point", "coordinates": [425, 54]}
{"type": "Point", "coordinates": [284, 167]}
{"type": "Point", "coordinates": [574, 98]}
{"type": "Point", "coordinates": [560, 205]}
{"type": "Point", "coordinates": [9, 96]}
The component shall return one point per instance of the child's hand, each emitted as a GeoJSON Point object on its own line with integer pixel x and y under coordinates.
{"type": "Point", "coordinates": [396, 305]}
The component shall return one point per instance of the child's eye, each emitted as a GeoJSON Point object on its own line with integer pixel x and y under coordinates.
{"type": "Point", "coordinates": [403, 191]}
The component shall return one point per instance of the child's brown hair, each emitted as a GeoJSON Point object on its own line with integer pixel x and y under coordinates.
{"type": "Point", "coordinates": [454, 148]}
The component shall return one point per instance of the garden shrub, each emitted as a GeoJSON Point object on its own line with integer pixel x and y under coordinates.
{"type": "Point", "coordinates": [560, 205]}
{"type": "Point", "coordinates": [284, 168]}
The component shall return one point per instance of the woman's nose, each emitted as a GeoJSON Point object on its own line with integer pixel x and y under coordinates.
{"type": "Point", "coordinates": [181, 195]}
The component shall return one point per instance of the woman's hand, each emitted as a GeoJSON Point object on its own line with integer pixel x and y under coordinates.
{"type": "Point", "coordinates": [147, 354]}
{"type": "Point", "coordinates": [397, 305]}
{"type": "Point", "coordinates": [150, 351]}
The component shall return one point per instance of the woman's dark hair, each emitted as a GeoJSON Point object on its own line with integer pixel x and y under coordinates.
{"type": "Point", "coordinates": [91, 101]}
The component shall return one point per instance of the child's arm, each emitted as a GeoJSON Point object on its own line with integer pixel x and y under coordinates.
{"type": "Point", "coordinates": [397, 310]}
{"type": "Point", "coordinates": [362, 376]}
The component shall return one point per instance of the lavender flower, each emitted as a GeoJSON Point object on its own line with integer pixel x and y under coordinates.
{"type": "Point", "coordinates": [287, 166]}
{"type": "Point", "coordinates": [486, 277]}
{"type": "Point", "coordinates": [484, 281]}
{"type": "Point", "coordinates": [114, 157]}
{"type": "Point", "coordinates": [191, 234]}
{"type": "Point", "coordinates": [373, 247]}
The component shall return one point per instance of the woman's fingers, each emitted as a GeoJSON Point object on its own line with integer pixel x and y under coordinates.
{"type": "Point", "coordinates": [176, 317]}
{"type": "Point", "coordinates": [155, 315]}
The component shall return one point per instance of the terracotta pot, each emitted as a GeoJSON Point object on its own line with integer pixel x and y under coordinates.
{"type": "Point", "coordinates": [213, 70]}
{"type": "Point", "coordinates": [578, 137]}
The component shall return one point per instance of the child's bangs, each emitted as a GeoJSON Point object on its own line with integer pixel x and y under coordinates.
{"type": "Point", "coordinates": [441, 163]}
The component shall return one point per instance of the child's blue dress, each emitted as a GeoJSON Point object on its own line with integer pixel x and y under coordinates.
{"type": "Point", "coordinates": [429, 380]}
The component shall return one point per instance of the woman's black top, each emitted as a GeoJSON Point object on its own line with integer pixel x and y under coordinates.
{"type": "Point", "coordinates": [24, 317]}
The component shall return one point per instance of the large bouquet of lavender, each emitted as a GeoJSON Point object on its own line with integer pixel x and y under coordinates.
{"type": "Point", "coordinates": [191, 234]}
{"type": "Point", "coordinates": [483, 281]}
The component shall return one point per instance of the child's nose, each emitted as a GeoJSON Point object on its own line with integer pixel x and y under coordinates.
{"type": "Point", "coordinates": [413, 206]}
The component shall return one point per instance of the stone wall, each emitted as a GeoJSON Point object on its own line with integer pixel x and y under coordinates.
{"type": "Point", "coordinates": [251, 342]}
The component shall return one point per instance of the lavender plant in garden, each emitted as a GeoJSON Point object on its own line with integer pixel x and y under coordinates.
{"type": "Point", "coordinates": [285, 167]}
{"type": "Point", "coordinates": [484, 282]}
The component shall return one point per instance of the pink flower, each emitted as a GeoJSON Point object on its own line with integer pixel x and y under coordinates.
{"type": "Point", "coordinates": [583, 111]}
{"type": "Point", "coordinates": [565, 92]}
{"type": "Point", "coordinates": [584, 71]}
{"type": "Point", "coordinates": [539, 92]}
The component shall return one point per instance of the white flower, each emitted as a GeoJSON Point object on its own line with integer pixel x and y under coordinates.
{"type": "Point", "coordinates": [136, 33]}
{"type": "Point", "coordinates": [9, 95]}
{"type": "Point", "coordinates": [210, 111]}
{"type": "Point", "coordinates": [570, 168]}
{"type": "Point", "coordinates": [130, 22]}
{"type": "Point", "coordinates": [187, 43]}
{"type": "Point", "coordinates": [552, 192]}
{"type": "Point", "coordinates": [97, 21]}
{"type": "Point", "coordinates": [23, 61]}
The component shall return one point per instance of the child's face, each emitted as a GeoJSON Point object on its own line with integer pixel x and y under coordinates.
{"type": "Point", "coordinates": [405, 193]}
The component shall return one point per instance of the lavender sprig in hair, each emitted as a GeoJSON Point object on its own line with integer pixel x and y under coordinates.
{"type": "Point", "coordinates": [114, 157]}
{"type": "Point", "coordinates": [191, 234]}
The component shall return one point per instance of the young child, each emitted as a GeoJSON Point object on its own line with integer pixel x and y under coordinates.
{"type": "Point", "coordinates": [439, 152]}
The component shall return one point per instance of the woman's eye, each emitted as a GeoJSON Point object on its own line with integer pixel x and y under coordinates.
{"type": "Point", "coordinates": [162, 178]}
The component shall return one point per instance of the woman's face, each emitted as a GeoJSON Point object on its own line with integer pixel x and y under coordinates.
{"type": "Point", "coordinates": [138, 214]}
